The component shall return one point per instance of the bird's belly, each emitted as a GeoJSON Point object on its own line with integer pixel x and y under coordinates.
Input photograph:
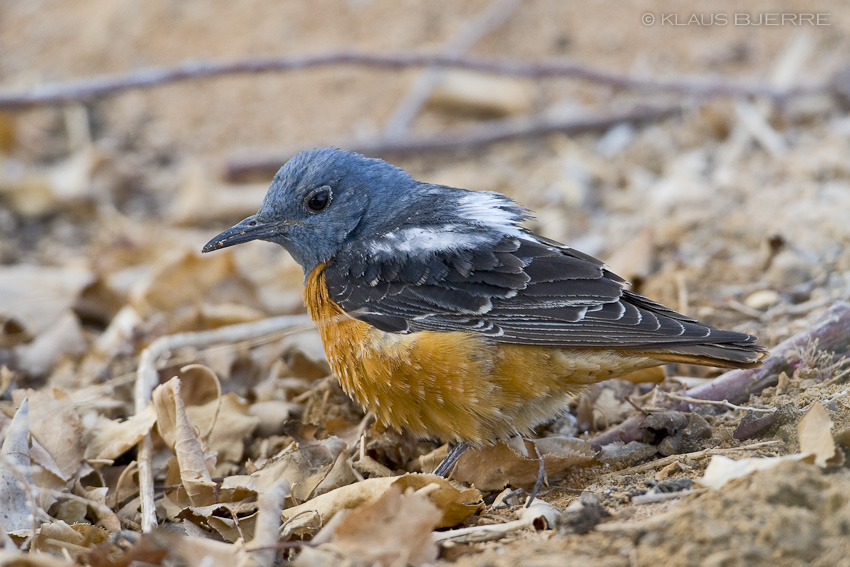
{"type": "Point", "coordinates": [452, 385]}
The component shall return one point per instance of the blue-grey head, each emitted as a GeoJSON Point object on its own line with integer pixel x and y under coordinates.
{"type": "Point", "coordinates": [320, 199]}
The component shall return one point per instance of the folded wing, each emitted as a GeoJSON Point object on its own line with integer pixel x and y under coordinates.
{"type": "Point", "coordinates": [517, 288]}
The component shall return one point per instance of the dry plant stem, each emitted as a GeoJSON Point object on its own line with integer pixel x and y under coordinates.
{"type": "Point", "coordinates": [724, 403]}
{"type": "Point", "coordinates": [831, 330]}
{"type": "Point", "coordinates": [147, 379]}
{"type": "Point", "coordinates": [476, 534]}
{"type": "Point", "coordinates": [489, 19]}
{"type": "Point", "coordinates": [108, 85]}
{"type": "Point", "coordinates": [267, 530]}
{"type": "Point", "coordinates": [490, 133]}
{"type": "Point", "coordinates": [528, 516]}
{"type": "Point", "coordinates": [664, 496]}
{"type": "Point", "coordinates": [696, 455]}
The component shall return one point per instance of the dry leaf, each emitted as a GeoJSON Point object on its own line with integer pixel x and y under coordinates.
{"type": "Point", "coordinates": [177, 430]}
{"type": "Point", "coordinates": [9, 558]}
{"type": "Point", "coordinates": [76, 540]}
{"type": "Point", "coordinates": [471, 92]}
{"type": "Point", "coordinates": [267, 527]}
{"type": "Point", "coordinates": [214, 280]}
{"type": "Point", "coordinates": [303, 467]}
{"type": "Point", "coordinates": [494, 468]}
{"type": "Point", "coordinates": [815, 434]}
{"type": "Point", "coordinates": [16, 512]}
{"type": "Point", "coordinates": [109, 438]}
{"type": "Point", "coordinates": [392, 529]}
{"type": "Point", "coordinates": [41, 191]}
{"type": "Point", "coordinates": [233, 521]}
{"type": "Point", "coordinates": [722, 469]}
{"type": "Point", "coordinates": [163, 547]}
{"type": "Point", "coordinates": [201, 198]}
{"type": "Point", "coordinates": [36, 296]}
{"type": "Point", "coordinates": [55, 425]}
{"type": "Point", "coordinates": [64, 337]}
{"type": "Point", "coordinates": [233, 425]}
{"type": "Point", "coordinates": [635, 258]}
{"type": "Point", "coordinates": [342, 474]}
{"type": "Point", "coordinates": [200, 389]}
{"type": "Point", "coordinates": [456, 505]}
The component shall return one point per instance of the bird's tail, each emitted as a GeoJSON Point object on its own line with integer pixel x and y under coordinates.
{"type": "Point", "coordinates": [740, 354]}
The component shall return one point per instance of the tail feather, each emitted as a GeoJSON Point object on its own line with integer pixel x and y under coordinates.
{"type": "Point", "coordinates": [742, 354]}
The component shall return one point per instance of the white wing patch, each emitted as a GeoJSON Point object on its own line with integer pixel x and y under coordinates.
{"type": "Point", "coordinates": [428, 239]}
{"type": "Point", "coordinates": [496, 216]}
{"type": "Point", "coordinates": [490, 209]}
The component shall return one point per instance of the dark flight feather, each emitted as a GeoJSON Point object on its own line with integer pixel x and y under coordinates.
{"type": "Point", "coordinates": [520, 288]}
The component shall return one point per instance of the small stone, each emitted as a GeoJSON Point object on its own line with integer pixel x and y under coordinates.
{"type": "Point", "coordinates": [762, 299]}
{"type": "Point", "coordinates": [789, 268]}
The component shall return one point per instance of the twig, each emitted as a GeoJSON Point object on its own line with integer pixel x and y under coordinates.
{"type": "Point", "coordinates": [491, 133]}
{"type": "Point", "coordinates": [491, 18]}
{"type": "Point", "coordinates": [696, 455]}
{"type": "Point", "coordinates": [724, 403]}
{"type": "Point", "coordinates": [655, 497]}
{"type": "Point", "coordinates": [147, 379]}
{"type": "Point", "coordinates": [267, 528]}
{"type": "Point", "coordinates": [108, 85]}
{"type": "Point", "coordinates": [831, 332]}
{"type": "Point", "coordinates": [477, 534]}
{"type": "Point", "coordinates": [530, 517]}
{"type": "Point", "coordinates": [835, 379]}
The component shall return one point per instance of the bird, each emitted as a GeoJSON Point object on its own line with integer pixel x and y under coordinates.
{"type": "Point", "coordinates": [442, 314]}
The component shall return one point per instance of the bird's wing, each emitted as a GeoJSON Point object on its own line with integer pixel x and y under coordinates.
{"type": "Point", "coordinates": [516, 288]}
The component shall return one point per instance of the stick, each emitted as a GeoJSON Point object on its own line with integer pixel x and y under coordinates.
{"type": "Point", "coordinates": [491, 18]}
{"type": "Point", "coordinates": [491, 133]}
{"type": "Point", "coordinates": [831, 330]}
{"type": "Point", "coordinates": [110, 85]}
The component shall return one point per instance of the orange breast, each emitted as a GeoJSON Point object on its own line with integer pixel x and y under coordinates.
{"type": "Point", "coordinates": [453, 385]}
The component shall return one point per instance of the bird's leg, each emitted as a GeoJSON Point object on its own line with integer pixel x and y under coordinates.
{"type": "Point", "coordinates": [541, 474]}
{"type": "Point", "coordinates": [445, 467]}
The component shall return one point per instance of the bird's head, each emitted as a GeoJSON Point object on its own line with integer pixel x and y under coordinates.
{"type": "Point", "coordinates": [318, 200]}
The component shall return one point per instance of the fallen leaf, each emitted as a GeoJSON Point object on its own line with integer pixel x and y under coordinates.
{"type": "Point", "coordinates": [396, 527]}
{"type": "Point", "coordinates": [456, 505]}
{"type": "Point", "coordinates": [196, 467]}
{"type": "Point", "coordinates": [470, 92]}
{"type": "Point", "coordinates": [36, 296]}
{"type": "Point", "coordinates": [214, 280]}
{"type": "Point", "coordinates": [64, 337]}
{"type": "Point", "coordinates": [494, 468]}
{"type": "Point", "coordinates": [75, 540]}
{"type": "Point", "coordinates": [722, 469]}
{"type": "Point", "coordinates": [55, 425]}
{"type": "Point", "coordinates": [304, 467]}
{"type": "Point", "coordinates": [110, 438]}
{"type": "Point", "coordinates": [815, 434]}
{"type": "Point", "coordinates": [267, 526]}
{"type": "Point", "coordinates": [16, 512]}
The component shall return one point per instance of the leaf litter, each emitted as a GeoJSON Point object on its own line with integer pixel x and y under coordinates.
{"type": "Point", "coordinates": [257, 456]}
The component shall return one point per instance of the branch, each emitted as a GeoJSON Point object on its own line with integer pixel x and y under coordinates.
{"type": "Point", "coordinates": [831, 330]}
{"type": "Point", "coordinates": [489, 19]}
{"type": "Point", "coordinates": [492, 132]}
{"type": "Point", "coordinates": [109, 85]}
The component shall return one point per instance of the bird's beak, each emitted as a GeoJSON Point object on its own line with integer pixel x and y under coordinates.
{"type": "Point", "coordinates": [244, 231]}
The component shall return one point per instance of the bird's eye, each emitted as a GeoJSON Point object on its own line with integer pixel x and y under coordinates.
{"type": "Point", "coordinates": [319, 199]}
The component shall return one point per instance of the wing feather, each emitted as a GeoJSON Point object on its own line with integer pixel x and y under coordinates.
{"type": "Point", "coordinates": [516, 288]}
